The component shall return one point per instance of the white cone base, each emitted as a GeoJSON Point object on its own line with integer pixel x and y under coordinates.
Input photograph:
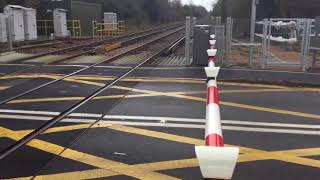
{"type": "Point", "coordinates": [217, 162]}
{"type": "Point", "coordinates": [212, 71]}
{"type": "Point", "coordinates": [212, 52]}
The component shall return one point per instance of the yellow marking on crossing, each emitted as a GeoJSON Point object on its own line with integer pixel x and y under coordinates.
{"type": "Point", "coordinates": [250, 85]}
{"type": "Point", "coordinates": [78, 78]}
{"type": "Point", "coordinates": [166, 136]}
{"type": "Point", "coordinates": [63, 99]}
{"type": "Point", "coordinates": [231, 104]}
{"type": "Point", "coordinates": [132, 79]}
{"type": "Point", "coordinates": [57, 99]}
{"type": "Point", "coordinates": [272, 110]}
{"type": "Point", "coordinates": [45, 100]}
{"type": "Point", "coordinates": [255, 91]}
{"type": "Point", "coordinates": [89, 174]}
{"type": "Point", "coordinates": [248, 154]}
{"type": "Point", "coordinates": [85, 82]}
{"type": "Point", "coordinates": [4, 88]}
{"type": "Point", "coordinates": [112, 166]}
{"type": "Point", "coordinates": [104, 78]}
{"type": "Point", "coordinates": [102, 173]}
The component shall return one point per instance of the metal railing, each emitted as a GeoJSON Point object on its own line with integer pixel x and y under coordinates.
{"type": "Point", "coordinates": [46, 27]}
{"type": "Point", "coordinates": [108, 29]}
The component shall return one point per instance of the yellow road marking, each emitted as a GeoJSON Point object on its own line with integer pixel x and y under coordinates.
{"type": "Point", "coordinates": [231, 104]}
{"type": "Point", "coordinates": [112, 166]}
{"type": "Point", "coordinates": [4, 88]}
{"type": "Point", "coordinates": [249, 154]}
{"type": "Point", "coordinates": [255, 91]}
{"type": "Point", "coordinates": [154, 79]}
{"type": "Point", "coordinates": [250, 85]}
{"type": "Point", "coordinates": [272, 110]}
{"type": "Point", "coordinates": [45, 100]}
{"type": "Point", "coordinates": [104, 78]}
{"type": "Point", "coordinates": [57, 99]}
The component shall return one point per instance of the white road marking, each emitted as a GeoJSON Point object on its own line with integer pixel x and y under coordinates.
{"type": "Point", "coordinates": [37, 118]}
{"type": "Point", "coordinates": [194, 126]}
{"type": "Point", "coordinates": [28, 112]}
{"type": "Point", "coordinates": [162, 122]}
{"type": "Point", "coordinates": [150, 118]}
{"type": "Point", "coordinates": [48, 113]}
{"type": "Point", "coordinates": [270, 130]}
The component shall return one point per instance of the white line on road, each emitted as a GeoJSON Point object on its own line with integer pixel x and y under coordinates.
{"type": "Point", "coordinates": [162, 122]}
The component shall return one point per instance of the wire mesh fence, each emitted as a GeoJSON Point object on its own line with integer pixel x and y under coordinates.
{"type": "Point", "coordinates": [278, 44]}
{"type": "Point", "coordinates": [240, 44]}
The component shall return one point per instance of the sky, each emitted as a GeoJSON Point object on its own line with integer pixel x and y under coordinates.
{"type": "Point", "coordinates": [205, 3]}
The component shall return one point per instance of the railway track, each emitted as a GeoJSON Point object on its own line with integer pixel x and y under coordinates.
{"type": "Point", "coordinates": [89, 45]}
{"type": "Point", "coordinates": [89, 48]}
{"type": "Point", "coordinates": [156, 46]}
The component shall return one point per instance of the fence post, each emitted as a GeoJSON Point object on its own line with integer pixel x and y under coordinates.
{"type": "Point", "coordinates": [264, 59]}
{"type": "Point", "coordinates": [188, 40]}
{"type": "Point", "coordinates": [305, 44]}
{"type": "Point", "coordinates": [252, 30]}
{"type": "Point", "coordinates": [9, 32]}
{"type": "Point", "coordinates": [229, 28]}
{"type": "Point", "coordinates": [220, 45]}
{"type": "Point", "coordinates": [218, 21]}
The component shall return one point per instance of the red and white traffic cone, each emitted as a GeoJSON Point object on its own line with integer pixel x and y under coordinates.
{"type": "Point", "coordinates": [215, 160]}
{"type": "Point", "coordinates": [212, 36]}
{"type": "Point", "coordinates": [213, 136]}
{"type": "Point", "coordinates": [211, 57]}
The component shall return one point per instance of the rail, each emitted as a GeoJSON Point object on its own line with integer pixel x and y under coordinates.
{"type": "Point", "coordinates": [76, 72]}
{"type": "Point", "coordinates": [67, 112]}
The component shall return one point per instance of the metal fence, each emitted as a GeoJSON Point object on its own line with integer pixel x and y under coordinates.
{"type": "Point", "coordinates": [238, 44]}
{"type": "Point", "coordinates": [46, 27]}
{"type": "Point", "coordinates": [278, 44]}
{"type": "Point", "coordinates": [108, 29]}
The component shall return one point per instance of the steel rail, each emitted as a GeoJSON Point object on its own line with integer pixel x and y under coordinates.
{"type": "Point", "coordinates": [84, 69]}
{"type": "Point", "coordinates": [84, 45]}
{"type": "Point", "coordinates": [67, 112]}
{"type": "Point", "coordinates": [156, 31]}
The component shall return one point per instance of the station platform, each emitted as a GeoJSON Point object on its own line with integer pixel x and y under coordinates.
{"type": "Point", "coordinates": [146, 126]}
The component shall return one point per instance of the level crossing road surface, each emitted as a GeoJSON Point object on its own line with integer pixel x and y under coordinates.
{"type": "Point", "coordinates": [146, 126]}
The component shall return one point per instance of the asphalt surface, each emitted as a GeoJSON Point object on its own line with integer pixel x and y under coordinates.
{"type": "Point", "coordinates": [147, 125]}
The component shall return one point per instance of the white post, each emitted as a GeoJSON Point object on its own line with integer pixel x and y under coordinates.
{"type": "Point", "coordinates": [188, 40]}
{"type": "Point", "coordinates": [253, 23]}
{"type": "Point", "coordinates": [8, 22]}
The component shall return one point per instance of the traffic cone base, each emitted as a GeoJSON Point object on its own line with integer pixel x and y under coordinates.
{"type": "Point", "coordinates": [217, 162]}
{"type": "Point", "coordinates": [212, 72]}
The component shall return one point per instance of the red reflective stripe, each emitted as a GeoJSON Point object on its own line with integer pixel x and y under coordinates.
{"type": "Point", "coordinates": [212, 59]}
{"type": "Point", "coordinates": [214, 140]}
{"type": "Point", "coordinates": [212, 95]}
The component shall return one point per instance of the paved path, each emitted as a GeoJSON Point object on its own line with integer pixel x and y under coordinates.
{"type": "Point", "coordinates": [147, 125]}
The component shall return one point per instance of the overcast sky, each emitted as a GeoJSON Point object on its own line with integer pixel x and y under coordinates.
{"type": "Point", "coordinates": [205, 3]}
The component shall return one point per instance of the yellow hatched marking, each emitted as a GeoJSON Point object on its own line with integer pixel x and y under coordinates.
{"type": "Point", "coordinates": [57, 99]}
{"type": "Point", "coordinates": [155, 79]}
{"type": "Point", "coordinates": [109, 165]}
{"type": "Point", "coordinates": [231, 104]}
{"type": "Point", "coordinates": [248, 154]}
{"type": "Point", "coordinates": [4, 88]}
